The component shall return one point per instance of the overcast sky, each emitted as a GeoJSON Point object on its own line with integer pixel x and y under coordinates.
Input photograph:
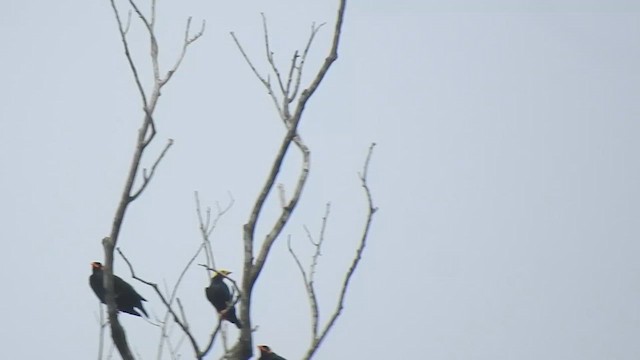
{"type": "Point", "coordinates": [506, 174]}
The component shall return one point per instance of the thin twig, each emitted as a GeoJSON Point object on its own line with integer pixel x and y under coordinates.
{"type": "Point", "coordinates": [184, 315]}
{"type": "Point", "coordinates": [153, 14]}
{"type": "Point", "coordinates": [174, 293]}
{"type": "Point", "coordinates": [123, 37]}
{"type": "Point", "coordinates": [265, 82]}
{"type": "Point", "coordinates": [294, 61]}
{"type": "Point", "coordinates": [147, 178]}
{"type": "Point", "coordinates": [128, 26]}
{"type": "Point", "coordinates": [282, 195]}
{"type": "Point", "coordinates": [312, 273]}
{"type": "Point", "coordinates": [328, 61]}
{"type": "Point", "coordinates": [313, 301]}
{"type": "Point", "coordinates": [152, 38]}
{"type": "Point", "coordinates": [212, 338]}
{"type": "Point", "coordinates": [309, 278]}
{"type": "Point", "coordinates": [269, 54]}
{"type": "Point", "coordinates": [187, 41]}
{"type": "Point", "coordinates": [303, 60]}
{"type": "Point", "coordinates": [207, 225]}
{"type": "Point", "coordinates": [176, 318]}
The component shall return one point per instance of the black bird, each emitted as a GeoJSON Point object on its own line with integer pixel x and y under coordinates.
{"type": "Point", "coordinates": [267, 354]}
{"type": "Point", "coordinates": [219, 295]}
{"type": "Point", "coordinates": [126, 297]}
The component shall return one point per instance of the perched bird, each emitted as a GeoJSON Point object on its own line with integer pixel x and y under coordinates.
{"type": "Point", "coordinates": [267, 354]}
{"type": "Point", "coordinates": [126, 297]}
{"type": "Point", "coordinates": [219, 295]}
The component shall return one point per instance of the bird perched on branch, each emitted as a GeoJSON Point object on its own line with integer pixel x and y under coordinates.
{"type": "Point", "coordinates": [127, 299]}
{"type": "Point", "coordinates": [220, 297]}
{"type": "Point", "coordinates": [267, 354]}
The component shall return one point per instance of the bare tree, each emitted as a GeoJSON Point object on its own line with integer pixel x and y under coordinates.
{"type": "Point", "coordinates": [290, 98]}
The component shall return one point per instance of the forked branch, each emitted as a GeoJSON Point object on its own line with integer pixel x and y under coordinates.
{"type": "Point", "coordinates": [207, 224]}
{"type": "Point", "coordinates": [309, 279]}
{"type": "Point", "coordinates": [291, 135]}
{"type": "Point", "coordinates": [308, 276]}
{"type": "Point", "coordinates": [146, 178]}
{"type": "Point", "coordinates": [253, 265]}
{"type": "Point", "coordinates": [181, 322]}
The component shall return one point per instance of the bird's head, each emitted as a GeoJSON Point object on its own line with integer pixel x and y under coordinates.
{"type": "Point", "coordinates": [96, 265]}
{"type": "Point", "coordinates": [264, 349]}
{"type": "Point", "coordinates": [222, 272]}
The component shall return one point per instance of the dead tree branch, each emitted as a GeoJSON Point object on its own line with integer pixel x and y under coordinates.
{"type": "Point", "coordinates": [309, 278]}
{"type": "Point", "coordinates": [253, 265]}
{"type": "Point", "coordinates": [173, 297]}
{"type": "Point", "coordinates": [318, 337]}
{"type": "Point", "coordinates": [314, 31]}
{"type": "Point", "coordinates": [269, 53]}
{"type": "Point", "coordinates": [265, 82]}
{"type": "Point", "coordinates": [207, 225]}
{"type": "Point", "coordinates": [147, 178]}
{"type": "Point", "coordinates": [146, 133]}
{"type": "Point", "coordinates": [182, 323]}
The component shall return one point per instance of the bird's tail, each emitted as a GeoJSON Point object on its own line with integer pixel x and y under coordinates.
{"type": "Point", "coordinates": [233, 318]}
{"type": "Point", "coordinates": [143, 311]}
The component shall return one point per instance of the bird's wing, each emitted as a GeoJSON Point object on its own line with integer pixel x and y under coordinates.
{"type": "Point", "coordinates": [224, 290]}
{"type": "Point", "coordinates": [122, 287]}
{"type": "Point", "coordinates": [208, 291]}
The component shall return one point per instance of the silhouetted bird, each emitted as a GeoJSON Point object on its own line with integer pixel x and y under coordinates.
{"type": "Point", "coordinates": [267, 354]}
{"type": "Point", "coordinates": [126, 297]}
{"type": "Point", "coordinates": [219, 295]}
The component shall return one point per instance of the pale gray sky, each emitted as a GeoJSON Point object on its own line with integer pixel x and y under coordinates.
{"type": "Point", "coordinates": [506, 174]}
